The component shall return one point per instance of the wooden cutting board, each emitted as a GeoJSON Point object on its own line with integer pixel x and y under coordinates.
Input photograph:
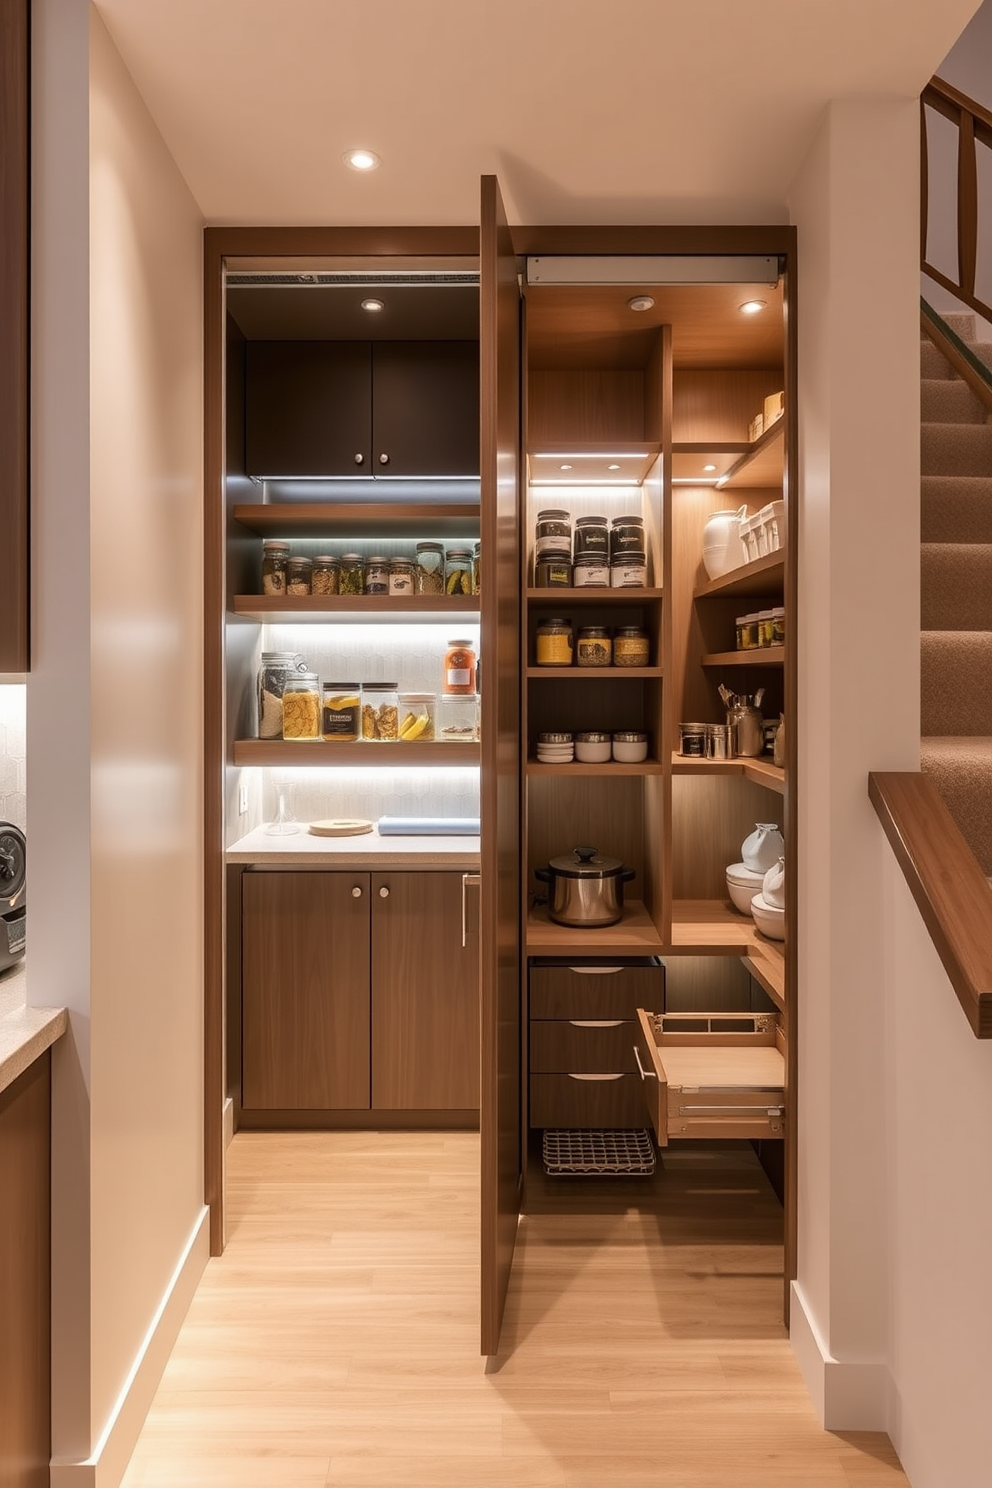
{"type": "Point", "coordinates": [340, 828]}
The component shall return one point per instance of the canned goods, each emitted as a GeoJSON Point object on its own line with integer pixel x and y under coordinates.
{"type": "Point", "coordinates": [718, 742]}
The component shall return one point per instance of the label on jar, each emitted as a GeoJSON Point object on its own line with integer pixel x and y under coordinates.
{"type": "Point", "coordinates": [628, 575]}
{"type": "Point", "coordinates": [692, 745]}
{"type": "Point", "coordinates": [457, 679]}
{"type": "Point", "coordinates": [593, 651]}
{"type": "Point", "coordinates": [589, 573]}
{"type": "Point", "coordinates": [401, 583]}
{"type": "Point", "coordinates": [554, 573]}
{"type": "Point", "coordinates": [630, 651]}
{"type": "Point", "coordinates": [554, 650]}
{"type": "Point", "coordinates": [553, 545]}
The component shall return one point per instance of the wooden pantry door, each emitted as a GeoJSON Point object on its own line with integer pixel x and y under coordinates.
{"type": "Point", "coordinates": [500, 1115]}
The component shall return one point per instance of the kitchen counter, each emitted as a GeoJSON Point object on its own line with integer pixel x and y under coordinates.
{"type": "Point", "coordinates": [25, 1032]}
{"type": "Point", "coordinates": [369, 850]}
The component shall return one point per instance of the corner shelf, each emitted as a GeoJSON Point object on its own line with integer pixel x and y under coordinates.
{"type": "Point", "coordinates": [764, 462]}
{"type": "Point", "coordinates": [714, 927]}
{"type": "Point", "coordinates": [321, 752]}
{"type": "Point", "coordinates": [355, 609]}
{"type": "Point", "coordinates": [763, 576]}
{"type": "Point", "coordinates": [595, 674]}
{"type": "Point", "coordinates": [761, 771]}
{"type": "Point", "coordinates": [759, 657]}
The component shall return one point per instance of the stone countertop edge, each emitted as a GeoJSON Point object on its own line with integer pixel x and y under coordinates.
{"type": "Point", "coordinates": [366, 850]}
{"type": "Point", "coordinates": [25, 1032]}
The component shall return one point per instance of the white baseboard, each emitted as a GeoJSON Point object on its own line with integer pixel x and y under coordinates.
{"type": "Point", "coordinates": [848, 1395]}
{"type": "Point", "coordinates": [106, 1466]}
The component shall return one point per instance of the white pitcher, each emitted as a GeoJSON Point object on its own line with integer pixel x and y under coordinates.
{"type": "Point", "coordinates": [773, 885]}
{"type": "Point", "coordinates": [722, 546]}
{"type": "Point", "coordinates": [763, 848]}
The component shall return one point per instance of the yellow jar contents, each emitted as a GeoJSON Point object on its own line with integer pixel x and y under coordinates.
{"type": "Point", "coordinates": [301, 708]}
{"type": "Point", "coordinates": [631, 647]}
{"type": "Point", "coordinates": [593, 647]}
{"type": "Point", "coordinates": [554, 643]}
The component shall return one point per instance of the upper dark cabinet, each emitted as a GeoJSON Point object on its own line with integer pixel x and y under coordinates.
{"type": "Point", "coordinates": [358, 408]}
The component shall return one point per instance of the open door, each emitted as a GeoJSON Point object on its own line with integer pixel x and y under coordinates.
{"type": "Point", "coordinates": [500, 1117]}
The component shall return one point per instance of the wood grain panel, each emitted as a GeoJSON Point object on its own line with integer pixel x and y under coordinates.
{"type": "Point", "coordinates": [706, 984]}
{"type": "Point", "coordinates": [711, 816]}
{"type": "Point", "coordinates": [25, 1282]}
{"type": "Point", "coordinates": [305, 986]}
{"type": "Point", "coordinates": [563, 1046]}
{"type": "Point", "coordinates": [567, 813]}
{"type": "Point", "coordinates": [14, 352]}
{"type": "Point", "coordinates": [588, 404]}
{"type": "Point", "coordinates": [719, 405]}
{"type": "Point", "coordinates": [562, 1100]}
{"type": "Point", "coordinates": [425, 992]}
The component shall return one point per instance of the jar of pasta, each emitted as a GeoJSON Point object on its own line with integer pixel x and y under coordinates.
{"type": "Point", "coordinates": [301, 706]}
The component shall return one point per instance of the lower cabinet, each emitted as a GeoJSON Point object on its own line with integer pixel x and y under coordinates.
{"type": "Point", "coordinates": [360, 991]}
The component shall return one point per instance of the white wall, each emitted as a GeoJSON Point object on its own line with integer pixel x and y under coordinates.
{"type": "Point", "coordinates": [114, 730]}
{"type": "Point", "coordinates": [855, 206]}
{"type": "Point", "coordinates": [13, 754]}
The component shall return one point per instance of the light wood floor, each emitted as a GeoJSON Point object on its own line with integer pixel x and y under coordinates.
{"type": "Point", "coordinates": [334, 1345]}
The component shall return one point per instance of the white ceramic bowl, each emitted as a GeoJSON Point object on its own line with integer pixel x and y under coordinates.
{"type": "Point", "coordinates": [769, 919]}
{"type": "Point", "coordinates": [592, 752]}
{"type": "Point", "coordinates": [742, 885]}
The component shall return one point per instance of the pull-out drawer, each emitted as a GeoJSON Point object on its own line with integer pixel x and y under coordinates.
{"type": "Point", "coordinates": [586, 1100]}
{"type": "Point", "coordinates": [595, 989]}
{"type": "Point", "coordinates": [582, 1045]}
{"type": "Point", "coordinates": [712, 1075]}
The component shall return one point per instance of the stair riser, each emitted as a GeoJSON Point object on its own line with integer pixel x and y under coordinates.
{"type": "Point", "coordinates": [956, 509]}
{"type": "Point", "coordinates": [950, 401]}
{"type": "Point", "coordinates": [956, 449]}
{"type": "Point", "coordinates": [955, 688]}
{"type": "Point", "coordinates": [956, 586]}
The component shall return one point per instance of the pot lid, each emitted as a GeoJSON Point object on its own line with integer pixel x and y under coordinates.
{"type": "Point", "coordinates": [586, 862]}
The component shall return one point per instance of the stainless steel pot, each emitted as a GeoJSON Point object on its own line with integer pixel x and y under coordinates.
{"type": "Point", "coordinates": [585, 890]}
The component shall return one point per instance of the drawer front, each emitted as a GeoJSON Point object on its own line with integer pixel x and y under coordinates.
{"type": "Point", "coordinates": [571, 1100]}
{"type": "Point", "coordinates": [596, 991]}
{"type": "Point", "coordinates": [591, 1045]}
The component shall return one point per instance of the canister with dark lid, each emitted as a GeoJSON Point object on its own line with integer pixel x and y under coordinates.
{"type": "Point", "coordinates": [592, 538]}
{"type": "Point", "coordinates": [554, 531]}
{"type": "Point", "coordinates": [626, 536]}
{"type": "Point", "coordinates": [553, 570]}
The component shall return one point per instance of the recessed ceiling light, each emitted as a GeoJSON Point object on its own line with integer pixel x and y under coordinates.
{"type": "Point", "coordinates": [640, 302]}
{"type": "Point", "coordinates": [613, 467]}
{"type": "Point", "coordinates": [751, 307]}
{"type": "Point", "coordinates": [564, 467]}
{"type": "Point", "coordinates": [373, 305]}
{"type": "Point", "coordinates": [708, 468]}
{"type": "Point", "coordinates": [361, 160]}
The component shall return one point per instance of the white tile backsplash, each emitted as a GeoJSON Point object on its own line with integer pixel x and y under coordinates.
{"type": "Point", "coordinates": [13, 755]}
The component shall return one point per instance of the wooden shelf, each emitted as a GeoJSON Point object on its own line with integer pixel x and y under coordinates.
{"type": "Point", "coordinates": [761, 770]}
{"type": "Point", "coordinates": [760, 656]}
{"type": "Point", "coordinates": [764, 462]}
{"type": "Point", "coordinates": [612, 768]}
{"type": "Point", "coordinates": [590, 462]}
{"type": "Point", "coordinates": [634, 935]}
{"type": "Point", "coordinates": [764, 576]}
{"type": "Point", "coordinates": [287, 752]}
{"type": "Point", "coordinates": [595, 674]}
{"type": "Point", "coordinates": [356, 520]}
{"type": "Point", "coordinates": [714, 927]}
{"type": "Point", "coordinates": [593, 593]}
{"type": "Point", "coordinates": [355, 609]}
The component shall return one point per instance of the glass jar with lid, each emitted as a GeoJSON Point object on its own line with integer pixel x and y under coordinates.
{"type": "Point", "coordinates": [629, 571]}
{"type": "Point", "coordinates": [401, 576]}
{"type": "Point", "coordinates": [430, 568]}
{"type": "Point", "coordinates": [324, 576]}
{"type": "Point", "coordinates": [275, 556]}
{"type": "Point", "coordinates": [417, 711]}
{"type": "Point", "coordinates": [298, 575]}
{"type": "Point", "coordinates": [351, 574]}
{"type": "Point", "coordinates": [340, 712]}
{"type": "Point", "coordinates": [380, 712]}
{"type": "Point", "coordinates": [626, 536]}
{"type": "Point", "coordinates": [593, 646]}
{"type": "Point", "coordinates": [553, 570]}
{"type": "Point", "coordinates": [458, 571]}
{"type": "Point", "coordinates": [301, 706]}
{"type": "Point", "coordinates": [377, 575]}
{"type": "Point", "coordinates": [592, 538]}
{"type": "Point", "coordinates": [459, 669]}
{"type": "Point", "coordinates": [457, 720]}
{"type": "Point", "coordinates": [272, 674]}
{"type": "Point", "coordinates": [477, 569]}
{"type": "Point", "coordinates": [554, 642]}
{"type": "Point", "coordinates": [631, 647]}
{"type": "Point", "coordinates": [554, 531]}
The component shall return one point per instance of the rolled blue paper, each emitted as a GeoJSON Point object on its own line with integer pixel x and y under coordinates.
{"type": "Point", "coordinates": [429, 826]}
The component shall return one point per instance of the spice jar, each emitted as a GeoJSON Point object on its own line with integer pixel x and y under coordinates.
{"type": "Point", "coordinates": [301, 706]}
{"type": "Point", "coordinates": [458, 571]}
{"type": "Point", "coordinates": [377, 575]}
{"type": "Point", "coordinates": [592, 538]}
{"type": "Point", "coordinates": [275, 556]}
{"type": "Point", "coordinates": [272, 674]}
{"type": "Point", "coordinates": [747, 631]}
{"type": "Point", "coordinates": [430, 568]}
{"type": "Point", "coordinates": [593, 747]}
{"type": "Point", "coordinates": [298, 572]}
{"type": "Point", "coordinates": [766, 628]}
{"type": "Point", "coordinates": [401, 576]}
{"type": "Point", "coordinates": [340, 712]}
{"type": "Point", "coordinates": [593, 646]}
{"type": "Point", "coordinates": [631, 647]}
{"type": "Point", "coordinates": [626, 536]}
{"type": "Point", "coordinates": [380, 711]}
{"type": "Point", "coordinates": [459, 669]}
{"type": "Point", "coordinates": [324, 578]}
{"type": "Point", "coordinates": [778, 625]}
{"type": "Point", "coordinates": [553, 570]}
{"type": "Point", "coordinates": [477, 569]}
{"type": "Point", "coordinates": [351, 574]}
{"type": "Point", "coordinates": [554, 643]}
{"type": "Point", "coordinates": [629, 571]}
{"type": "Point", "coordinates": [417, 717]}
{"type": "Point", "coordinates": [554, 531]}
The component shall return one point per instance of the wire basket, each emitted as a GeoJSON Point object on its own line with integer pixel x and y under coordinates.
{"type": "Point", "coordinates": [581, 1152]}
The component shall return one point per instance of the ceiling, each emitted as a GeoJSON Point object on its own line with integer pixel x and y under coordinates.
{"type": "Point", "coordinates": [588, 111]}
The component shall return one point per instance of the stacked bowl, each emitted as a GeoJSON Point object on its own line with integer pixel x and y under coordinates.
{"type": "Point", "coordinates": [555, 749]}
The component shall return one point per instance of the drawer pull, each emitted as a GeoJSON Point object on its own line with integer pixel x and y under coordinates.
{"type": "Point", "coordinates": [596, 1077]}
{"type": "Point", "coordinates": [596, 1022]}
{"type": "Point", "coordinates": [750, 1110]}
{"type": "Point", "coordinates": [595, 970]}
{"type": "Point", "coordinates": [645, 1074]}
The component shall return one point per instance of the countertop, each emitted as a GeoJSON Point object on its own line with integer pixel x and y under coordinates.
{"type": "Point", "coordinates": [369, 850]}
{"type": "Point", "coordinates": [25, 1032]}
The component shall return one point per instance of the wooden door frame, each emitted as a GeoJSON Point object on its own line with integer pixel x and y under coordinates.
{"type": "Point", "coordinates": [15, 143]}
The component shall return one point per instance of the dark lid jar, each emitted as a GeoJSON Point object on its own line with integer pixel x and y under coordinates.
{"type": "Point", "coordinates": [626, 536]}
{"type": "Point", "coordinates": [553, 570]}
{"type": "Point", "coordinates": [592, 538]}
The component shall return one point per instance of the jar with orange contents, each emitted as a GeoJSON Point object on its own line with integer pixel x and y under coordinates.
{"type": "Point", "coordinates": [459, 669]}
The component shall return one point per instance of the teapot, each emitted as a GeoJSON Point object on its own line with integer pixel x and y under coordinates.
{"type": "Point", "coordinates": [747, 726]}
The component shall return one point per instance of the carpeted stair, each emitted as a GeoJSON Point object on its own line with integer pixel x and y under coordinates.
{"type": "Point", "coordinates": [956, 577]}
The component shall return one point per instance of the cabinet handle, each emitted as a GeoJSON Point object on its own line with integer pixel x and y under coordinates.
{"type": "Point", "coordinates": [383, 892]}
{"type": "Point", "coordinates": [383, 459]}
{"type": "Point", "coordinates": [645, 1074]}
{"type": "Point", "coordinates": [356, 892]}
{"type": "Point", "coordinates": [596, 1022]}
{"type": "Point", "coordinates": [595, 1077]}
{"type": "Point", "coordinates": [474, 880]}
{"type": "Point", "coordinates": [359, 459]}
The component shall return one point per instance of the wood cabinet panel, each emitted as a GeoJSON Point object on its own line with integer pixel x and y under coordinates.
{"type": "Point", "coordinates": [425, 408]}
{"type": "Point", "coordinates": [571, 1100]}
{"type": "Point", "coordinates": [425, 992]}
{"type": "Point", "coordinates": [562, 992]}
{"type": "Point", "coordinates": [305, 990]}
{"type": "Point", "coordinates": [25, 1287]}
{"type": "Point", "coordinates": [582, 1046]}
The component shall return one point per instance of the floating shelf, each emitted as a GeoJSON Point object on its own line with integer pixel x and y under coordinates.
{"type": "Point", "coordinates": [635, 935]}
{"type": "Point", "coordinates": [611, 768]}
{"type": "Point", "coordinates": [593, 594]}
{"type": "Point", "coordinates": [355, 609]}
{"type": "Point", "coordinates": [319, 752]}
{"type": "Point", "coordinates": [618, 463]}
{"type": "Point", "coordinates": [356, 520]}
{"type": "Point", "coordinates": [760, 656]}
{"type": "Point", "coordinates": [594, 674]}
{"type": "Point", "coordinates": [761, 770]}
{"type": "Point", "coordinates": [764, 576]}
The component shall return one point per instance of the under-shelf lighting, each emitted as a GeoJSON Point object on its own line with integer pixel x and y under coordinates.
{"type": "Point", "coordinates": [752, 307]}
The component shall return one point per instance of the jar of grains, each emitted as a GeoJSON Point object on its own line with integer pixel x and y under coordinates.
{"type": "Point", "coordinates": [275, 556]}
{"type": "Point", "coordinates": [301, 706]}
{"type": "Point", "coordinates": [324, 576]}
{"type": "Point", "coordinates": [275, 668]}
{"type": "Point", "coordinates": [340, 720]}
{"type": "Point", "coordinates": [430, 568]}
{"type": "Point", "coordinates": [401, 579]}
{"type": "Point", "coordinates": [298, 574]}
{"type": "Point", "coordinates": [458, 571]}
{"type": "Point", "coordinates": [377, 575]}
{"type": "Point", "coordinates": [631, 647]}
{"type": "Point", "coordinates": [380, 711]}
{"type": "Point", "coordinates": [554, 643]}
{"type": "Point", "coordinates": [351, 574]}
{"type": "Point", "coordinates": [593, 647]}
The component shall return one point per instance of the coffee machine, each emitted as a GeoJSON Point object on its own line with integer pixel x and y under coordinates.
{"type": "Point", "coordinates": [13, 894]}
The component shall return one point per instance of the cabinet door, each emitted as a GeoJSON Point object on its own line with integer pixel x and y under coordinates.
{"type": "Point", "coordinates": [425, 408]}
{"type": "Point", "coordinates": [308, 408]}
{"type": "Point", "coordinates": [425, 992]}
{"type": "Point", "coordinates": [14, 255]}
{"type": "Point", "coordinates": [305, 991]}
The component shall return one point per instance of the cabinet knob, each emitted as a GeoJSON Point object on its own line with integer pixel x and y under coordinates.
{"type": "Point", "coordinates": [359, 459]}
{"type": "Point", "coordinates": [383, 459]}
{"type": "Point", "coordinates": [383, 893]}
{"type": "Point", "coordinates": [356, 892]}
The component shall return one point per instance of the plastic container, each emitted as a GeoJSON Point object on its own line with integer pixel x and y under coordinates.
{"type": "Point", "coordinates": [340, 712]}
{"type": "Point", "coordinates": [749, 538]}
{"type": "Point", "coordinates": [380, 712]}
{"type": "Point", "coordinates": [593, 747]}
{"type": "Point", "coordinates": [630, 746]}
{"type": "Point", "coordinates": [429, 572]}
{"type": "Point", "coordinates": [459, 669]}
{"type": "Point", "coordinates": [554, 643]}
{"type": "Point", "coordinates": [301, 707]}
{"type": "Point", "coordinates": [593, 646]}
{"type": "Point", "coordinates": [298, 576]}
{"type": "Point", "coordinates": [324, 576]}
{"type": "Point", "coordinates": [417, 712]}
{"type": "Point", "coordinates": [275, 556]}
{"type": "Point", "coordinates": [631, 647]}
{"type": "Point", "coordinates": [457, 720]}
{"type": "Point", "coordinates": [774, 525]}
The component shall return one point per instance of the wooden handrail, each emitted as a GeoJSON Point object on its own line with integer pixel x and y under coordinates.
{"type": "Point", "coordinates": [950, 347]}
{"type": "Point", "coordinates": [946, 882]}
{"type": "Point", "coordinates": [974, 126]}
